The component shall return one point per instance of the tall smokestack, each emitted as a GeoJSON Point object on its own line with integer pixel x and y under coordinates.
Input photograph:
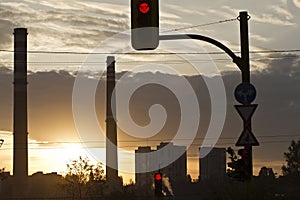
{"type": "Point", "coordinates": [111, 126]}
{"type": "Point", "coordinates": [20, 158]}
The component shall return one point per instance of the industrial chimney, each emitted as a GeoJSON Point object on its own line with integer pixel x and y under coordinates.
{"type": "Point", "coordinates": [20, 154]}
{"type": "Point", "coordinates": [111, 126]}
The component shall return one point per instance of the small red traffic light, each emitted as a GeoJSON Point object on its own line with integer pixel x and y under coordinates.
{"type": "Point", "coordinates": [158, 177]}
{"type": "Point", "coordinates": [245, 154]}
{"type": "Point", "coordinates": [144, 8]}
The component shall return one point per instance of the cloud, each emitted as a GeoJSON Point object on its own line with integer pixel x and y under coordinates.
{"type": "Point", "coordinates": [226, 12]}
{"type": "Point", "coordinates": [271, 19]}
{"type": "Point", "coordinates": [6, 28]}
{"type": "Point", "coordinates": [64, 28]}
{"type": "Point", "coordinates": [62, 5]}
{"type": "Point", "coordinates": [260, 38]}
{"type": "Point", "coordinates": [286, 65]}
{"type": "Point", "coordinates": [180, 9]}
{"type": "Point", "coordinates": [282, 11]}
{"type": "Point", "coordinates": [297, 3]}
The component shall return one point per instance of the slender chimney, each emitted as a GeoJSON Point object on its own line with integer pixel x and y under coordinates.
{"type": "Point", "coordinates": [111, 126]}
{"type": "Point", "coordinates": [20, 154]}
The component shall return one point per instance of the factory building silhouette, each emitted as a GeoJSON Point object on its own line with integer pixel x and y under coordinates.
{"type": "Point", "coordinates": [175, 169]}
{"type": "Point", "coordinates": [213, 165]}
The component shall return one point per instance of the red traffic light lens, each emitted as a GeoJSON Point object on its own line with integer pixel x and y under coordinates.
{"type": "Point", "coordinates": [158, 177]}
{"type": "Point", "coordinates": [144, 8]}
{"type": "Point", "coordinates": [245, 154]}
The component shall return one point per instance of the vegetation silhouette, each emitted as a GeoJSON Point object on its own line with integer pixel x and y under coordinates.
{"type": "Point", "coordinates": [83, 179]}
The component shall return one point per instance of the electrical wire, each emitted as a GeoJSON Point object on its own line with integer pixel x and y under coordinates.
{"type": "Point", "coordinates": [200, 25]}
{"type": "Point", "coordinates": [157, 140]}
{"type": "Point", "coordinates": [173, 62]}
{"type": "Point", "coordinates": [152, 53]}
{"type": "Point", "coordinates": [132, 146]}
{"type": "Point", "coordinates": [98, 143]}
{"type": "Point", "coordinates": [145, 61]}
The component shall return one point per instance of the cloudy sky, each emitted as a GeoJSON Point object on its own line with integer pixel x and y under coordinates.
{"type": "Point", "coordinates": [99, 26]}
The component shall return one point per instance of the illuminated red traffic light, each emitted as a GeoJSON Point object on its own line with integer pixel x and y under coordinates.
{"type": "Point", "coordinates": [243, 153]}
{"type": "Point", "coordinates": [158, 177]}
{"type": "Point", "coordinates": [158, 184]}
{"type": "Point", "coordinates": [144, 24]}
{"type": "Point", "coordinates": [144, 8]}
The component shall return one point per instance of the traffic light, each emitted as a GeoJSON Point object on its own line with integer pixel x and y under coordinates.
{"type": "Point", "coordinates": [158, 184]}
{"type": "Point", "coordinates": [246, 161]}
{"type": "Point", "coordinates": [243, 153]}
{"type": "Point", "coordinates": [144, 24]}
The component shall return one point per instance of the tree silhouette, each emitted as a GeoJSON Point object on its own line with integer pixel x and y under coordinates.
{"type": "Point", "coordinates": [292, 158]}
{"type": "Point", "coordinates": [266, 173]}
{"type": "Point", "coordinates": [83, 179]}
{"type": "Point", "coordinates": [2, 174]}
{"type": "Point", "coordinates": [234, 167]}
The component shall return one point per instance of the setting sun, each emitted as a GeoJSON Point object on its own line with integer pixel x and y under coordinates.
{"type": "Point", "coordinates": [54, 158]}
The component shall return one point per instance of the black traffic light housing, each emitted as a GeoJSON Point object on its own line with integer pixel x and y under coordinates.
{"type": "Point", "coordinates": [246, 162]}
{"type": "Point", "coordinates": [144, 24]}
{"type": "Point", "coordinates": [158, 184]}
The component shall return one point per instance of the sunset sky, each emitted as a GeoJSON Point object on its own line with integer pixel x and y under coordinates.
{"type": "Point", "coordinates": [83, 26]}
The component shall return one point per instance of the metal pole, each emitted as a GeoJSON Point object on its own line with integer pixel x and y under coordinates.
{"type": "Point", "coordinates": [244, 17]}
{"type": "Point", "coordinates": [244, 31]}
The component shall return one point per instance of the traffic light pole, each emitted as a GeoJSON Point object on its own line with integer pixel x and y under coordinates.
{"type": "Point", "coordinates": [242, 62]}
{"type": "Point", "coordinates": [244, 30]}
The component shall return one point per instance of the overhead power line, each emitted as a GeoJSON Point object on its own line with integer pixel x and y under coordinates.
{"type": "Point", "coordinates": [164, 139]}
{"type": "Point", "coordinates": [135, 146]}
{"type": "Point", "coordinates": [151, 53]}
{"type": "Point", "coordinates": [200, 25]}
{"type": "Point", "coordinates": [168, 61]}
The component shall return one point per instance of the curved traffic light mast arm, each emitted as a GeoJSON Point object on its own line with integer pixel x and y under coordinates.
{"type": "Point", "coordinates": [242, 62]}
{"type": "Point", "coordinates": [237, 60]}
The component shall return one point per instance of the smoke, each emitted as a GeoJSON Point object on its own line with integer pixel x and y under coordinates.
{"type": "Point", "coordinates": [167, 184]}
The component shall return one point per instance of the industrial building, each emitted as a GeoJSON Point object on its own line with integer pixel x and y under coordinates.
{"type": "Point", "coordinates": [145, 162]}
{"type": "Point", "coordinates": [213, 165]}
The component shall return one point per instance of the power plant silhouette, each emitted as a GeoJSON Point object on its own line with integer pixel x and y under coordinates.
{"type": "Point", "coordinates": [20, 127]}
{"type": "Point", "coordinates": [111, 128]}
{"type": "Point", "coordinates": [20, 119]}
